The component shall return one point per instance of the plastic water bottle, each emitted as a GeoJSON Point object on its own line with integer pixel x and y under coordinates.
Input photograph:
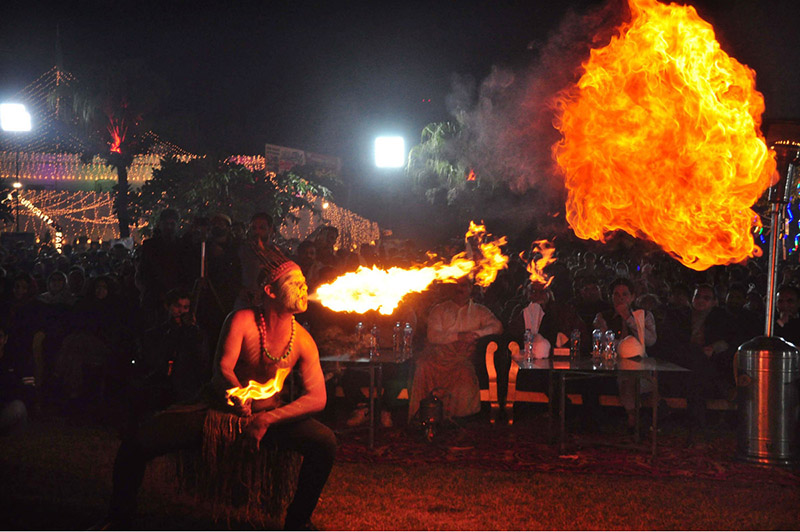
{"type": "Point", "coordinates": [609, 349]}
{"type": "Point", "coordinates": [528, 347]}
{"type": "Point", "coordinates": [373, 338]}
{"type": "Point", "coordinates": [359, 332]}
{"type": "Point", "coordinates": [397, 337]}
{"type": "Point", "coordinates": [575, 344]}
{"type": "Point", "coordinates": [597, 343]}
{"type": "Point", "coordinates": [408, 338]}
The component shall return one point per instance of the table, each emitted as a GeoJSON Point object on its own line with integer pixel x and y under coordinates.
{"type": "Point", "coordinates": [374, 363]}
{"type": "Point", "coordinates": [564, 368]}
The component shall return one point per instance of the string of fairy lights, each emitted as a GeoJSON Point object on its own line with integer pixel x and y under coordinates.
{"type": "Point", "coordinates": [353, 229]}
{"type": "Point", "coordinates": [58, 233]}
{"type": "Point", "coordinates": [67, 167]}
{"type": "Point", "coordinates": [79, 213]}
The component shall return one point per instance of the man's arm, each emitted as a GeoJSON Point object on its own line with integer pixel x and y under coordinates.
{"type": "Point", "coordinates": [228, 351]}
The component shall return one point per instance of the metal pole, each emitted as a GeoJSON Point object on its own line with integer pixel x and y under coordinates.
{"type": "Point", "coordinates": [772, 272]}
{"type": "Point", "coordinates": [17, 195]}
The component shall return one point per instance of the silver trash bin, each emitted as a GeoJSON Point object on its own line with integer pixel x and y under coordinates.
{"type": "Point", "coordinates": [768, 378]}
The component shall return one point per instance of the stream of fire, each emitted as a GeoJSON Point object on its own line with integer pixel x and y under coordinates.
{"type": "Point", "coordinates": [382, 290]}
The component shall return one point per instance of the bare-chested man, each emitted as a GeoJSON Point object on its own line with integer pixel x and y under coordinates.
{"type": "Point", "coordinates": [254, 343]}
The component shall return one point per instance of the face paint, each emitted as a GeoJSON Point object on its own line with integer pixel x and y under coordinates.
{"type": "Point", "coordinates": [293, 292]}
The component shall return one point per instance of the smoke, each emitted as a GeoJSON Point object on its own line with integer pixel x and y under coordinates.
{"type": "Point", "coordinates": [508, 117]}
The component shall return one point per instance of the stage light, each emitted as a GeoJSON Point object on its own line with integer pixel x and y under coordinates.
{"type": "Point", "coordinates": [390, 152]}
{"type": "Point", "coordinates": [14, 117]}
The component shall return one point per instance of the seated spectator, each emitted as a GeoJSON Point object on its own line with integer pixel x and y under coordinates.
{"type": "Point", "coordinates": [623, 321]}
{"type": "Point", "coordinates": [697, 339]}
{"type": "Point", "coordinates": [787, 316]}
{"type": "Point", "coordinates": [445, 366]}
{"type": "Point", "coordinates": [16, 384]}
{"type": "Point", "coordinates": [175, 356]}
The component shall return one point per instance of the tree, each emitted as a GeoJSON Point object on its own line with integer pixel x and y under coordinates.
{"type": "Point", "coordinates": [111, 108]}
{"type": "Point", "coordinates": [203, 186]}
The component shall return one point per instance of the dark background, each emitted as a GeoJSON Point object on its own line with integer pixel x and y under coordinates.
{"type": "Point", "coordinates": [329, 76]}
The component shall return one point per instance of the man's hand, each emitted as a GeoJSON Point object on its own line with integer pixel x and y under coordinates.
{"type": "Point", "coordinates": [254, 433]}
{"type": "Point", "coordinates": [242, 409]}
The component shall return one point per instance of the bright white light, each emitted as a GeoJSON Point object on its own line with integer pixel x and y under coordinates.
{"type": "Point", "coordinates": [17, 184]}
{"type": "Point", "coordinates": [390, 152]}
{"type": "Point", "coordinates": [14, 117]}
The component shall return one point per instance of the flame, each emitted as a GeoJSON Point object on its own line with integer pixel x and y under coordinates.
{"type": "Point", "coordinates": [471, 176]}
{"type": "Point", "coordinates": [544, 250]}
{"type": "Point", "coordinates": [661, 139]}
{"type": "Point", "coordinates": [382, 290]}
{"type": "Point", "coordinates": [255, 390]}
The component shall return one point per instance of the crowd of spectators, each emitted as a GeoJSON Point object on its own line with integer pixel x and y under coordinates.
{"type": "Point", "coordinates": [120, 332]}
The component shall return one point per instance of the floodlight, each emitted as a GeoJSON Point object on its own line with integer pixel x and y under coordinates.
{"type": "Point", "coordinates": [14, 117]}
{"type": "Point", "coordinates": [390, 152]}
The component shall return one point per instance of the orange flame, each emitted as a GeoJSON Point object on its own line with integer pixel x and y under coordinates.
{"type": "Point", "coordinates": [255, 390]}
{"type": "Point", "coordinates": [471, 176]}
{"type": "Point", "coordinates": [544, 251]}
{"type": "Point", "coordinates": [661, 139]}
{"type": "Point", "coordinates": [382, 290]}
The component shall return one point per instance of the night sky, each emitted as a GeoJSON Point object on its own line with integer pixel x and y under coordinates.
{"type": "Point", "coordinates": [328, 76]}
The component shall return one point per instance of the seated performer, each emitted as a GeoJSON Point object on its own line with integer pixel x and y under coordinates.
{"type": "Point", "coordinates": [260, 344]}
{"type": "Point", "coordinates": [445, 366]}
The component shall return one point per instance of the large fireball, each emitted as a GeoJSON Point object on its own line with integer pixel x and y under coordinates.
{"type": "Point", "coordinates": [661, 139]}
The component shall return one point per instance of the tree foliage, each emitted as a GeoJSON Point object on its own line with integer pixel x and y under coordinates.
{"type": "Point", "coordinates": [203, 186]}
{"type": "Point", "coordinates": [110, 107]}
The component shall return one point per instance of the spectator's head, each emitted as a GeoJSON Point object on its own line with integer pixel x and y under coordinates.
{"type": "Point", "coordinates": [178, 303]}
{"type": "Point", "coordinates": [461, 291]}
{"type": "Point", "coordinates": [56, 282]}
{"type": "Point", "coordinates": [589, 289]}
{"type": "Point", "coordinates": [622, 292]}
{"type": "Point", "coordinates": [261, 227]}
{"type": "Point", "coordinates": [736, 297]}
{"type": "Point", "coordinates": [220, 226]}
{"type": "Point", "coordinates": [755, 301]}
{"type": "Point", "coordinates": [168, 222]}
{"type": "Point", "coordinates": [788, 300]}
{"type": "Point", "coordinates": [76, 279]}
{"type": "Point", "coordinates": [679, 295]}
{"type": "Point", "coordinates": [24, 287]}
{"type": "Point", "coordinates": [704, 297]}
{"type": "Point", "coordinates": [101, 287]}
{"type": "Point", "coordinates": [306, 252]}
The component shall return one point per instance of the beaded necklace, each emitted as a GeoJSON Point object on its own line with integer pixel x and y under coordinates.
{"type": "Point", "coordinates": [262, 337]}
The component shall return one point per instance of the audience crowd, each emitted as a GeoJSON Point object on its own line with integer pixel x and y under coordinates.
{"type": "Point", "coordinates": [120, 333]}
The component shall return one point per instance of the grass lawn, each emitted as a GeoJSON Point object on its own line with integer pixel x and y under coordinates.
{"type": "Point", "coordinates": [57, 476]}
